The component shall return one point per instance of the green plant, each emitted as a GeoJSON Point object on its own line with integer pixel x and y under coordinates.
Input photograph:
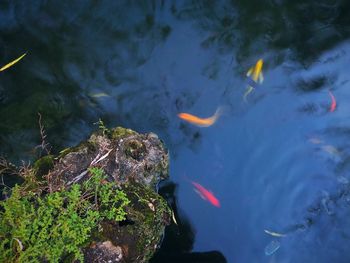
{"type": "Point", "coordinates": [102, 127]}
{"type": "Point", "coordinates": [50, 227]}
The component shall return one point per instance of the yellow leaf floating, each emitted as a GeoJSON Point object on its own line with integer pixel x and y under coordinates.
{"type": "Point", "coordinates": [12, 62]}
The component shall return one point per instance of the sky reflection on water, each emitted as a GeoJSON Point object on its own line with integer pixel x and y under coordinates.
{"type": "Point", "coordinates": [155, 59]}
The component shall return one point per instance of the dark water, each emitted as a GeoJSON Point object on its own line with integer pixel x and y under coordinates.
{"type": "Point", "coordinates": [279, 162]}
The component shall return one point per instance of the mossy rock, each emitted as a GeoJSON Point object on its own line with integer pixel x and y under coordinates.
{"type": "Point", "coordinates": [120, 132]}
{"type": "Point", "coordinates": [43, 165]}
{"type": "Point", "coordinates": [124, 155]}
{"type": "Point", "coordinates": [138, 237]}
{"type": "Point", "coordinates": [136, 163]}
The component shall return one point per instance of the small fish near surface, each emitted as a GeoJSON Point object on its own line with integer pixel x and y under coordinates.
{"type": "Point", "coordinates": [12, 63]}
{"type": "Point", "coordinates": [201, 122]}
{"type": "Point", "coordinates": [173, 217]}
{"type": "Point", "coordinates": [274, 234]}
{"type": "Point", "coordinates": [98, 95]}
{"type": "Point", "coordinates": [330, 149]}
{"type": "Point", "coordinates": [255, 76]}
{"type": "Point", "coordinates": [333, 103]}
{"type": "Point", "coordinates": [206, 194]}
{"type": "Point", "coordinates": [315, 140]}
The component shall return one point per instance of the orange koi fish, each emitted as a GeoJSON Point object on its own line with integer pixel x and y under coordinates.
{"type": "Point", "coordinates": [201, 122]}
{"type": "Point", "coordinates": [334, 102]}
{"type": "Point", "coordinates": [12, 62]}
{"type": "Point", "coordinates": [206, 194]}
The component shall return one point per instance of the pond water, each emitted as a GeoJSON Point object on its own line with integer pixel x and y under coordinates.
{"type": "Point", "coordinates": [277, 162]}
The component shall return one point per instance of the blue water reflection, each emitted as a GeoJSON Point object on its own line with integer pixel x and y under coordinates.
{"type": "Point", "coordinates": [278, 162]}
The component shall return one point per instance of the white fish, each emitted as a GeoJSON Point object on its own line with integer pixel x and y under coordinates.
{"type": "Point", "coordinates": [274, 234]}
{"type": "Point", "coordinates": [315, 140]}
{"type": "Point", "coordinates": [272, 247]}
{"type": "Point", "coordinates": [330, 149]}
{"type": "Point", "coordinates": [173, 217]}
{"type": "Point", "coordinates": [99, 95]}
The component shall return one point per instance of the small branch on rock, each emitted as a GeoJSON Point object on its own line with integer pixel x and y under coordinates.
{"type": "Point", "coordinates": [6, 187]}
{"type": "Point", "coordinates": [94, 162]}
{"type": "Point", "coordinates": [44, 146]}
{"type": "Point", "coordinates": [6, 167]}
{"type": "Point", "coordinates": [49, 181]}
{"type": "Point", "coordinates": [99, 160]}
{"type": "Point", "coordinates": [77, 178]}
{"type": "Point", "coordinates": [26, 171]}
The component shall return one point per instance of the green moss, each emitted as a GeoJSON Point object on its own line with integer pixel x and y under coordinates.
{"type": "Point", "coordinates": [43, 165]}
{"type": "Point", "coordinates": [147, 215]}
{"type": "Point", "coordinates": [135, 149]}
{"type": "Point", "coordinates": [102, 127]}
{"type": "Point", "coordinates": [90, 145]}
{"type": "Point", "coordinates": [49, 227]}
{"type": "Point", "coordinates": [93, 141]}
{"type": "Point", "coordinates": [64, 152]}
{"type": "Point", "coordinates": [120, 132]}
{"type": "Point", "coordinates": [150, 210]}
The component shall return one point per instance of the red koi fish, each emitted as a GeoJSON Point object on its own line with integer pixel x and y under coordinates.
{"type": "Point", "coordinates": [334, 102]}
{"type": "Point", "coordinates": [206, 194]}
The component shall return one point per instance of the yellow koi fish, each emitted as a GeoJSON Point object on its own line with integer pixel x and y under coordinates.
{"type": "Point", "coordinates": [256, 72]}
{"type": "Point", "coordinates": [256, 75]}
{"type": "Point", "coordinates": [12, 62]}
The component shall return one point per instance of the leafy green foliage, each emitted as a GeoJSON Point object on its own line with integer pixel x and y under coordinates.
{"type": "Point", "coordinates": [102, 127]}
{"type": "Point", "coordinates": [56, 225]}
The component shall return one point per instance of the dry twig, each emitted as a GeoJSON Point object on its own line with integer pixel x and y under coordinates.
{"type": "Point", "coordinates": [44, 146]}
{"type": "Point", "coordinates": [96, 160]}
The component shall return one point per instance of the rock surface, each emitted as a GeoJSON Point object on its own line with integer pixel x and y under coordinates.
{"type": "Point", "coordinates": [136, 162]}
{"type": "Point", "coordinates": [122, 153]}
